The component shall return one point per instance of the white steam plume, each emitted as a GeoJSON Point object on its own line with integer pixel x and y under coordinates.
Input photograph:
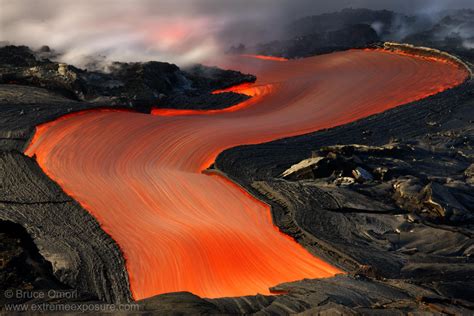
{"type": "Point", "coordinates": [179, 31]}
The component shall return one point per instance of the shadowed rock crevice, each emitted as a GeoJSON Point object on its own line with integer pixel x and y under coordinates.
{"type": "Point", "coordinates": [22, 267]}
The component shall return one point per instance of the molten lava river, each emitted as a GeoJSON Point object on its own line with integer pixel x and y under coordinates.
{"type": "Point", "coordinates": [141, 176]}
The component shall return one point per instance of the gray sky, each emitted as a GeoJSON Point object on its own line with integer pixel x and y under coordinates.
{"type": "Point", "coordinates": [180, 31]}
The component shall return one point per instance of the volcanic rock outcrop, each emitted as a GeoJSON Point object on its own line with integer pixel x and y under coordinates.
{"type": "Point", "coordinates": [132, 85]}
{"type": "Point", "coordinates": [450, 31]}
{"type": "Point", "coordinates": [321, 42]}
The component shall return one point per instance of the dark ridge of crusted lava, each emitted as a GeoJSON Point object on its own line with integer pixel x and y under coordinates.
{"type": "Point", "coordinates": [450, 31]}
{"type": "Point", "coordinates": [138, 86]}
{"type": "Point", "coordinates": [326, 33]}
{"type": "Point", "coordinates": [320, 42]}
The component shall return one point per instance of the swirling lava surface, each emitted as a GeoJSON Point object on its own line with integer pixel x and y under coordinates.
{"type": "Point", "coordinates": [182, 230]}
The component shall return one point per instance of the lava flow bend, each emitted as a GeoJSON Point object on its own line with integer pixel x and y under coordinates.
{"type": "Point", "coordinates": [141, 175]}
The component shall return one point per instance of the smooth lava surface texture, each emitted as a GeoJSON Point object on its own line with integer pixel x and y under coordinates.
{"type": "Point", "coordinates": [141, 175]}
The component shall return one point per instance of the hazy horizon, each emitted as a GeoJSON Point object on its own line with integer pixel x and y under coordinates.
{"type": "Point", "coordinates": [180, 31]}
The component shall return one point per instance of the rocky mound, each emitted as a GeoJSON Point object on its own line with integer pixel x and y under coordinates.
{"type": "Point", "coordinates": [449, 31]}
{"type": "Point", "coordinates": [133, 85]}
{"type": "Point", "coordinates": [321, 42]}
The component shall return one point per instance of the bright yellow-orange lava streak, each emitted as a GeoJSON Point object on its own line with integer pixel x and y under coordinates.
{"type": "Point", "coordinates": [141, 175]}
{"type": "Point", "coordinates": [246, 88]}
{"type": "Point", "coordinates": [272, 58]}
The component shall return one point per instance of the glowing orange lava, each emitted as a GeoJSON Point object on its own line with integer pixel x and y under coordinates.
{"type": "Point", "coordinates": [272, 58]}
{"type": "Point", "coordinates": [413, 54]}
{"type": "Point", "coordinates": [257, 92]}
{"type": "Point", "coordinates": [246, 88]}
{"type": "Point", "coordinates": [181, 229]}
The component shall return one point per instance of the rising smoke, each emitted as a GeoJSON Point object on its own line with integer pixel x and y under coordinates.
{"type": "Point", "coordinates": [179, 31]}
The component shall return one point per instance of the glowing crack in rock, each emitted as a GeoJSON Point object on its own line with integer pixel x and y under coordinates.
{"type": "Point", "coordinates": [141, 175]}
